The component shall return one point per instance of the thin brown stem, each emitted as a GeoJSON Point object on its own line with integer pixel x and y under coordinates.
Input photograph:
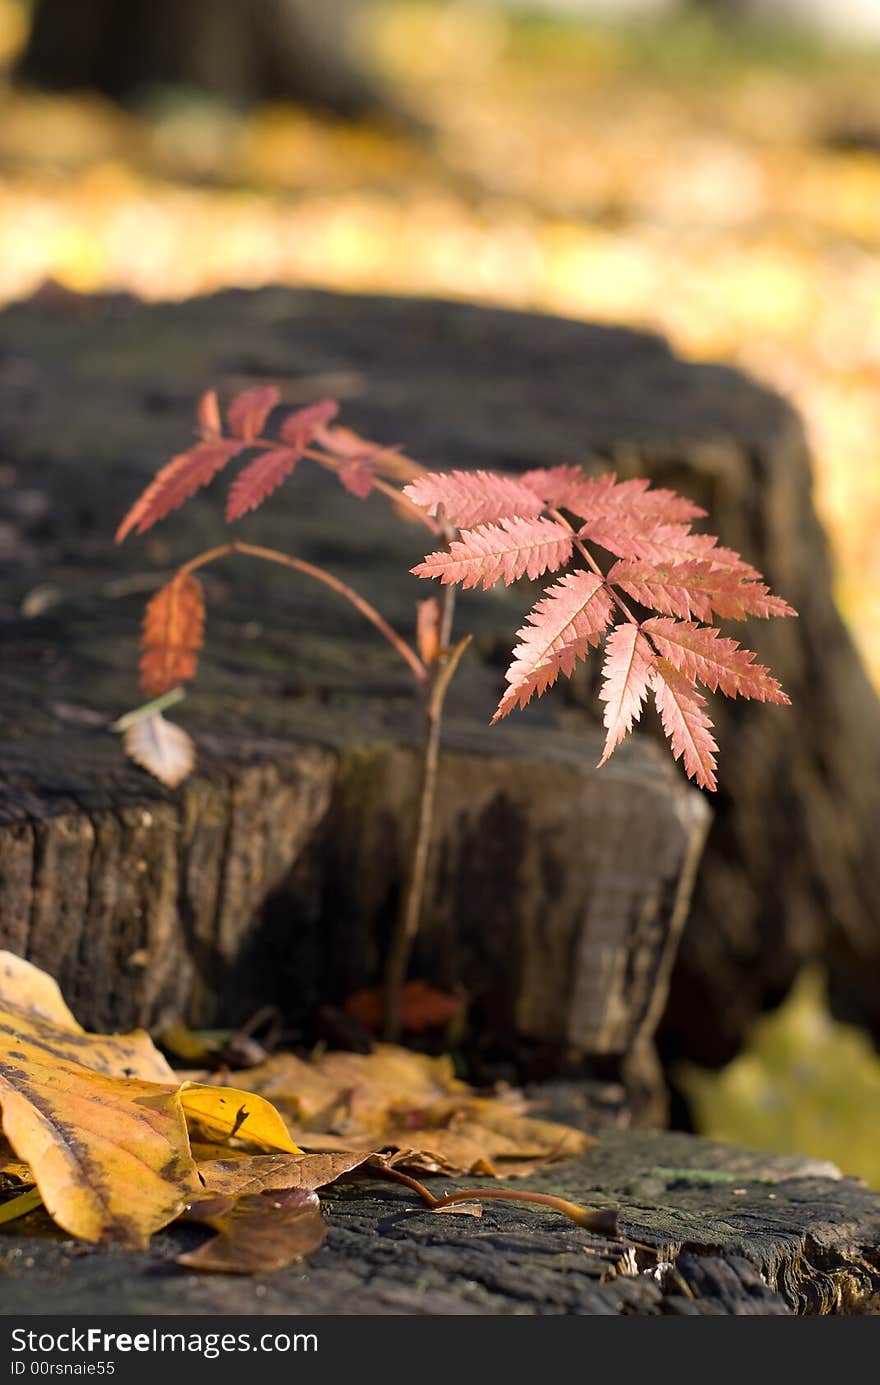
{"type": "Point", "coordinates": [409, 915]}
{"type": "Point", "coordinates": [331, 463]}
{"type": "Point", "coordinates": [272, 555]}
{"type": "Point", "coordinates": [604, 1220]}
{"type": "Point", "coordinates": [594, 566]}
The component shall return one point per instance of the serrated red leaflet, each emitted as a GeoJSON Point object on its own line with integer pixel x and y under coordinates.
{"type": "Point", "coordinates": [553, 484]}
{"type": "Point", "coordinates": [629, 666]}
{"type": "Point", "coordinates": [176, 482]}
{"type": "Point", "coordinates": [568, 620]}
{"type": "Point", "coordinates": [267, 472]}
{"type": "Point", "coordinates": [673, 589]}
{"type": "Point", "coordinates": [248, 411]}
{"type": "Point", "coordinates": [470, 498]}
{"type": "Point", "coordinates": [389, 462]}
{"type": "Point", "coordinates": [173, 632]}
{"type": "Point", "coordinates": [208, 416]}
{"type": "Point", "coordinates": [505, 551]}
{"type": "Point", "coordinates": [357, 476]}
{"type": "Point", "coordinates": [665, 543]}
{"type": "Point", "coordinates": [299, 428]}
{"type": "Point", "coordinates": [259, 479]}
{"type": "Point", "coordinates": [604, 499]}
{"type": "Point", "coordinates": [695, 589]}
{"type": "Point", "coordinates": [685, 722]}
{"type": "Point", "coordinates": [702, 654]}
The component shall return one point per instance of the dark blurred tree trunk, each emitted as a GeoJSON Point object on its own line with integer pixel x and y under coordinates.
{"type": "Point", "coordinates": [240, 50]}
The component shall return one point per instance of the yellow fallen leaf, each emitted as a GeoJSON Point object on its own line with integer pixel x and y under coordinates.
{"type": "Point", "coordinates": [107, 1147]}
{"type": "Point", "coordinates": [20, 1205]}
{"type": "Point", "coordinates": [224, 1113]}
{"type": "Point", "coordinates": [34, 992]}
{"type": "Point", "coordinates": [12, 1169]}
{"type": "Point", "coordinates": [109, 1155]}
{"type": "Point", "coordinates": [353, 1088]}
{"type": "Point", "coordinates": [29, 996]}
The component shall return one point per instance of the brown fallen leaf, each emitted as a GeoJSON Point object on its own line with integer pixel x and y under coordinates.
{"type": "Point", "coordinates": [257, 1234]}
{"type": "Point", "coordinates": [250, 1174]}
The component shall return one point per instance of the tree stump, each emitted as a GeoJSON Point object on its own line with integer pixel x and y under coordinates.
{"type": "Point", "coordinates": [132, 50]}
{"type": "Point", "coordinates": [278, 865]}
{"type": "Point", "coordinates": [702, 1229]}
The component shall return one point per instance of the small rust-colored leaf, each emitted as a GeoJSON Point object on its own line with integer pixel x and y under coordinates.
{"type": "Point", "coordinates": [256, 1235]}
{"type": "Point", "coordinates": [421, 1006]}
{"type": "Point", "coordinates": [356, 476]}
{"type": "Point", "coordinates": [471, 498]}
{"type": "Point", "coordinates": [248, 411]}
{"type": "Point", "coordinates": [161, 748]}
{"type": "Point", "coordinates": [259, 479]}
{"type": "Point", "coordinates": [563, 626]}
{"type": "Point", "coordinates": [686, 723]}
{"type": "Point", "coordinates": [208, 416]}
{"type": "Point", "coordinates": [176, 482]}
{"type": "Point", "coordinates": [348, 446]}
{"type": "Point", "coordinates": [173, 632]}
{"type": "Point", "coordinates": [428, 630]}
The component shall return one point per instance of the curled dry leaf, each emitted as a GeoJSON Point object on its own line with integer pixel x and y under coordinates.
{"type": "Point", "coordinates": [257, 1234]}
{"type": "Point", "coordinates": [240, 1173]}
{"type": "Point", "coordinates": [162, 748]}
{"type": "Point", "coordinates": [225, 1113]}
{"type": "Point", "coordinates": [460, 1209]}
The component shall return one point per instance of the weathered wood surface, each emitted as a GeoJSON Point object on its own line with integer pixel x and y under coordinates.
{"type": "Point", "coordinates": [703, 1229]}
{"type": "Point", "coordinates": [96, 863]}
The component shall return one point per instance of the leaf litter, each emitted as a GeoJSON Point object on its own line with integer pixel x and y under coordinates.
{"type": "Point", "coordinates": [117, 1145]}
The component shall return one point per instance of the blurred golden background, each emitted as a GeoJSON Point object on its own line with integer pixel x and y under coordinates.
{"type": "Point", "coordinates": [715, 182]}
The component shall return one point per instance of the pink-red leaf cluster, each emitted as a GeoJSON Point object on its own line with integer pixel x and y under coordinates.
{"type": "Point", "coordinates": [677, 579]}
